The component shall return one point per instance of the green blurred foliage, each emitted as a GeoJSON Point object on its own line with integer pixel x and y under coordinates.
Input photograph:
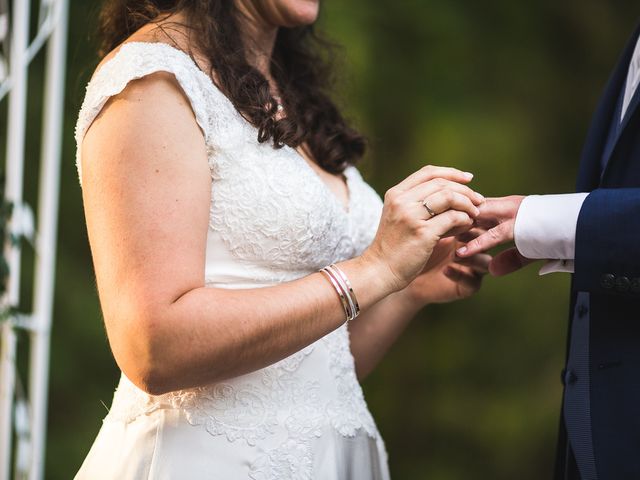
{"type": "Point", "coordinates": [500, 88]}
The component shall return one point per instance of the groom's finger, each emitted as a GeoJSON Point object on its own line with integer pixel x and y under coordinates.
{"type": "Point", "coordinates": [508, 262]}
{"type": "Point", "coordinates": [466, 237]}
{"type": "Point", "coordinates": [493, 237]}
{"type": "Point", "coordinates": [496, 210]}
{"type": "Point", "coordinates": [496, 207]}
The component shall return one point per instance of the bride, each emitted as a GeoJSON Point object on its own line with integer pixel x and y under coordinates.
{"type": "Point", "coordinates": [248, 276]}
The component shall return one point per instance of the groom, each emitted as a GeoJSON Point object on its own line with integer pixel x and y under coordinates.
{"type": "Point", "coordinates": [596, 236]}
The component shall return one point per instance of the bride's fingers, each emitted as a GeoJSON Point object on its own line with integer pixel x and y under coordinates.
{"type": "Point", "coordinates": [466, 279]}
{"type": "Point", "coordinates": [429, 172]}
{"type": "Point", "coordinates": [423, 190]}
{"type": "Point", "coordinates": [450, 221]}
{"type": "Point", "coordinates": [478, 263]}
{"type": "Point", "coordinates": [444, 200]}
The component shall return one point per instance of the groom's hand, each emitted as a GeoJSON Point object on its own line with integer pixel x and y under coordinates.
{"type": "Point", "coordinates": [497, 217]}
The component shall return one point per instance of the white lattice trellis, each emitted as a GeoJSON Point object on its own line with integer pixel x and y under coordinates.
{"type": "Point", "coordinates": [23, 410]}
{"type": "Point", "coordinates": [4, 32]}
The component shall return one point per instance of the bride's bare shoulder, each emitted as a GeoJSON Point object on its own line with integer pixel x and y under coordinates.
{"type": "Point", "coordinates": [151, 103]}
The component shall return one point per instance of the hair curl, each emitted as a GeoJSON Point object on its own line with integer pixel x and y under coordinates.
{"type": "Point", "coordinates": [299, 65]}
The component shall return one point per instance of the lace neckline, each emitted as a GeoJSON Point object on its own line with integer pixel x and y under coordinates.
{"type": "Point", "coordinates": [345, 210]}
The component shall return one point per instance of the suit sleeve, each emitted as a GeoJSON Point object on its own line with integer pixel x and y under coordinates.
{"type": "Point", "coordinates": [607, 248]}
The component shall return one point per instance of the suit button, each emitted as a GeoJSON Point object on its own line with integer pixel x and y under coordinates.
{"type": "Point", "coordinates": [570, 377]}
{"type": "Point", "coordinates": [607, 281]}
{"type": "Point", "coordinates": [582, 311]}
{"type": "Point", "coordinates": [622, 284]}
{"type": "Point", "coordinates": [635, 285]}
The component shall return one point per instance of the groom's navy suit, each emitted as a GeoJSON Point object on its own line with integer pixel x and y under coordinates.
{"type": "Point", "coordinates": [600, 425]}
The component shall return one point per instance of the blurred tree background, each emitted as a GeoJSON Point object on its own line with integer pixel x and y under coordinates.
{"type": "Point", "coordinates": [500, 88]}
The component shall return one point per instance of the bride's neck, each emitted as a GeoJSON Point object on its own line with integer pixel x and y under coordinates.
{"type": "Point", "coordinates": [258, 38]}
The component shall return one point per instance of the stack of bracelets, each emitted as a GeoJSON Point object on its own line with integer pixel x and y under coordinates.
{"type": "Point", "coordinates": [343, 286]}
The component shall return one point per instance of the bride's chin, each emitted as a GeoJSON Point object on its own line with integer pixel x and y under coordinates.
{"type": "Point", "coordinates": [296, 13]}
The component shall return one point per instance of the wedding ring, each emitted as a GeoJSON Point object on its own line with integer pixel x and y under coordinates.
{"type": "Point", "coordinates": [426, 205]}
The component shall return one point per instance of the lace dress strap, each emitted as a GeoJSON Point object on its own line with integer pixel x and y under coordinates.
{"type": "Point", "coordinates": [134, 60]}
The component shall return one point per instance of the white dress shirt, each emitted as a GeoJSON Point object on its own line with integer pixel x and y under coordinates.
{"type": "Point", "coordinates": [545, 225]}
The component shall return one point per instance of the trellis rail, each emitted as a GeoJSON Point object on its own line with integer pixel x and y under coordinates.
{"type": "Point", "coordinates": [23, 411]}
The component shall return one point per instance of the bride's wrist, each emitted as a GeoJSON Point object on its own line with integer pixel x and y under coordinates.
{"type": "Point", "coordinates": [368, 279]}
{"type": "Point", "coordinates": [385, 276]}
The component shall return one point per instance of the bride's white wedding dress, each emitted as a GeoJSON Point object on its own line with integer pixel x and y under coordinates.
{"type": "Point", "coordinates": [272, 219]}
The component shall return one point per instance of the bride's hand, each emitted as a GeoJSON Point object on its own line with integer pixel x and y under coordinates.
{"type": "Point", "coordinates": [408, 232]}
{"type": "Point", "coordinates": [446, 277]}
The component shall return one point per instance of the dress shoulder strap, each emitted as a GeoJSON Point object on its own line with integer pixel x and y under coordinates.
{"type": "Point", "coordinates": [134, 60]}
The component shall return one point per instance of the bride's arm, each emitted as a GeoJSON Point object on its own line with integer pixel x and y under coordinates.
{"type": "Point", "coordinates": [146, 192]}
{"type": "Point", "coordinates": [373, 332]}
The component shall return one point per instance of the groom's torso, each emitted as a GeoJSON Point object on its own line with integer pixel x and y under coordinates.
{"type": "Point", "coordinates": [601, 411]}
{"type": "Point", "coordinates": [610, 154]}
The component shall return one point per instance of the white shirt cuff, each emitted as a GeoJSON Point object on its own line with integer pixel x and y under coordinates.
{"type": "Point", "coordinates": [545, 226]}
{"type": "Point", "coordinates": [552, 266]}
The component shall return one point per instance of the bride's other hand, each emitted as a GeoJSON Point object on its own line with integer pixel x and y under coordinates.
{"type": "Point", "coordinates": [411, 241]}
{"type": "Point", "coordinates": [408, 232]}
{"type": "Point", "coordinates": [446, 277]}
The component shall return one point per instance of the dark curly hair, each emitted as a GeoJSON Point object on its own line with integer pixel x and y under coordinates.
{"type": "Point", "coordinates": [300, 66]}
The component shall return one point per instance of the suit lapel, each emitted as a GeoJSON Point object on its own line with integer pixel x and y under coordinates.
{"type": "Point", "coordinates": [589, 173]}
{"type": "Point", "coordinates": [630, 112]}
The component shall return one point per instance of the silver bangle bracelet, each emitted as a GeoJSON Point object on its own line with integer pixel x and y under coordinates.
{"type": "Point", "coordinates": [346, 285]}
{"type": "Point", "coordinates": [341, 294]}
{"type": "Point", "coordinates": [342, 285]}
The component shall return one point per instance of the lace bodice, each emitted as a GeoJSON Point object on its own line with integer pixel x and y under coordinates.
{"type": "Point", "coordinates": [272, 219]}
